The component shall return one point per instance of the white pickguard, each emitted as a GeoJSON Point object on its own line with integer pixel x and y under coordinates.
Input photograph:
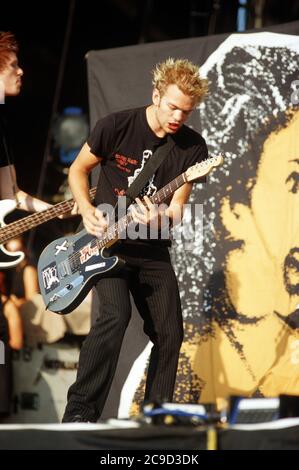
{"type": "Point", "coordinates": [7, 206]}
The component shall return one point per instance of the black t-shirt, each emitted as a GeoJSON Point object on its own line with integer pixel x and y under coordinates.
{"type": "Point", "coordinates": [125, 141]}
{"type": "Point", "coordinates": [5, 146]}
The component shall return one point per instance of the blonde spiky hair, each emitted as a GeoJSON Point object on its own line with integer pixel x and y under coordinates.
{"type": "Point", "coordinates": [184, 74]}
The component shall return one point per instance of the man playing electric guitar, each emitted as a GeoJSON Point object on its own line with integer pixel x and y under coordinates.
{"type": "Point", "coordinates": [122, 143]}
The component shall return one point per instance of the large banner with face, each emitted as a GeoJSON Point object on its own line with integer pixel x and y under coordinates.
{"type": "Point", "coordinates": [239, 272]}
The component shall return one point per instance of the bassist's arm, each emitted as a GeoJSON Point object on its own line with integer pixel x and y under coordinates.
{"type": "Point", "coordinates": [10, 190]}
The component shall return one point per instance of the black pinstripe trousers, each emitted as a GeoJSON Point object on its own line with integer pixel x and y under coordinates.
{"type": "Point", "coordinates": [150, 278]}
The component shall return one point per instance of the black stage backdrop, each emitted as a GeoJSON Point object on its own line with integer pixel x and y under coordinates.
{"type": "Point", "coordinates": [239, 275]}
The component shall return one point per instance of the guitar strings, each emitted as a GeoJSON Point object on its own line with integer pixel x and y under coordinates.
{"type": "Point", "coordinates": [161, 195]}
{"type": "Point", "coordinates": [21, 225]}
{"type": "Point", "coordinates": [157, 198]}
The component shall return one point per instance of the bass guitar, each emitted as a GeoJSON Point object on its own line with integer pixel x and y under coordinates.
{"type": "Point", "coordinates": [69, 266]}
{"type": "Point", "coordinates": [7, 232]}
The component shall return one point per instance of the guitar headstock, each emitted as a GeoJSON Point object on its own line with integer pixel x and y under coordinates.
{"type": "Point", "coordinates": [203, 168]}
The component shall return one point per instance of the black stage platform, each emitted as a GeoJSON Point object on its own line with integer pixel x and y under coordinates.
{"type": "Point", "coordinates": [127, 435]}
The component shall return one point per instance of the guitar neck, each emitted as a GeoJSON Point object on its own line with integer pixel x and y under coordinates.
{"type": "Point", "coordinates": [113, 232]}
{"type": "Point", "coordinates": [31, 221]}
{"type": "Point", "coordinates": [115, 229]}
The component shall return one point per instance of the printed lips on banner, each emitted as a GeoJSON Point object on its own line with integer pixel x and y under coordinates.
{"type": "Point", "coordinates": [241, 314]}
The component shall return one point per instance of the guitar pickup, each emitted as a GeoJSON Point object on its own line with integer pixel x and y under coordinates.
{"type": "Point", "coordinates": [63, 269]}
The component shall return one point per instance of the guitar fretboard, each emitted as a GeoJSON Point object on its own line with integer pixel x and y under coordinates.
{"type": "Point", "coordinates": [20, 226]}
{"type": "Point", "coordinates": [114, 230]}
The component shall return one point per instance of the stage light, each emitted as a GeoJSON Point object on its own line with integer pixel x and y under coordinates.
{"type": "Point", "coordinates": [182, 414]}
{"type": "Point", "coordinates": [253, 410]}
{"type": "Point", "coordinates": [70, 131]}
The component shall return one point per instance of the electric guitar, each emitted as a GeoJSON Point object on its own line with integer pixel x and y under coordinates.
{"type": "Point", "coordinates": [69, 266]}
{"type": "Point", "coordinates": [7, 232]}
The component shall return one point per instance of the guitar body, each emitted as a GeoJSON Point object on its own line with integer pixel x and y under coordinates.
{"type": "Point", "coordinates": [8, 259]}
{"type": "Point", "coordinates": [7, 232]}
{"type": "Point", "coordinates": [69, 267]}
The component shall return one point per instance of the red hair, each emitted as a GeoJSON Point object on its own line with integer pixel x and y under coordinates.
{"type": "Point", "coordinates": [8, 44]}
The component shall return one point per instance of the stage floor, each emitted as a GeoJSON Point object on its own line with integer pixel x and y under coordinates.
{"type": "Point", "coordinates": [128, 435]}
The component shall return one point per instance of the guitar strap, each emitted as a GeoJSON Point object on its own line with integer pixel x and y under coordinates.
{"type": "Point", "coordinates": [149, 169]}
